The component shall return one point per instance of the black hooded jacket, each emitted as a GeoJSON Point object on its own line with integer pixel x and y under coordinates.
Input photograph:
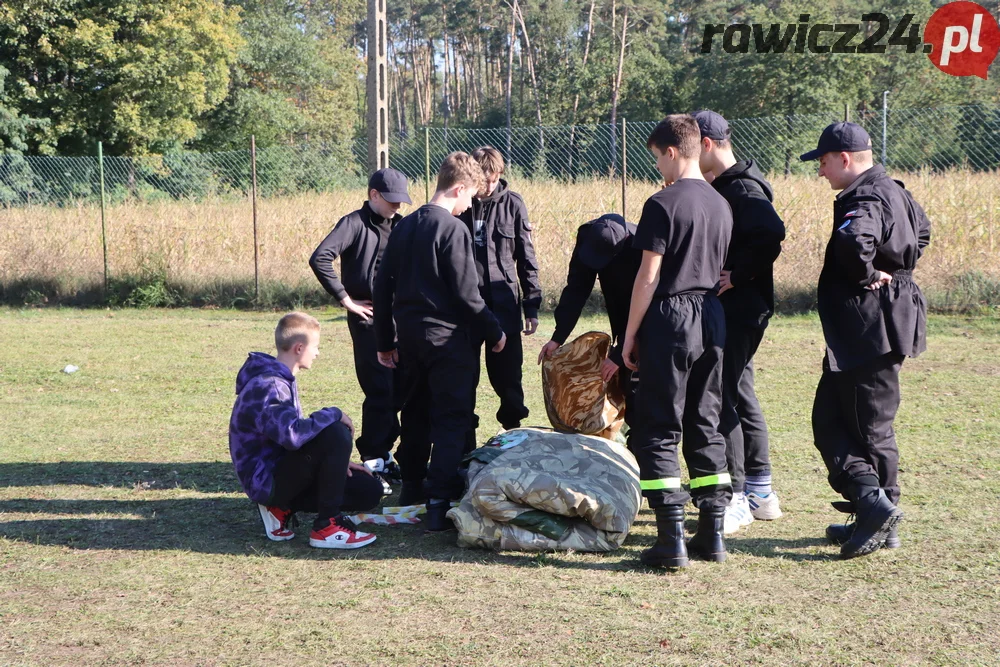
{"type": "Point", "coordinates": [755, 244]}
{"type": "Point", "coordinates": [504, 253]}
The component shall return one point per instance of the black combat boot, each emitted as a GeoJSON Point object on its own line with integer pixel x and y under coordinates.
{"type": "Point", "coordinates": [669, 550]}
{"type": "Point", "coordinates": [876, 520]}
{"type": "Point", "coordinates": [412, 493]}
{"type": "Point", "coordinates": [436, 520]}
{"type": "Point", "coordinates": [839, 533]}
{"type": "Point", "coordinates": [707, 543]}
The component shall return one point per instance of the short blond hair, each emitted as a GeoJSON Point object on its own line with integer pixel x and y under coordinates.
{"type": "Point", "coordinates": [458, 168]}
{"type": "Point", "coordinates": [489, 159]}
{"type": "Point", "coordinates": [294, 328]}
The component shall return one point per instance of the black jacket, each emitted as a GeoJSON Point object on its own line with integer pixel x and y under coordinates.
{"type": "Point", "coordinates": [755, 244]}
{"type": "Point", "coordinates": [357, 242]}
{"type": "Point", "coordinates": [426, 285]}
{"type": "Point", "coordinates": [617, 279]}
{"type": "Point", "coordinates": [510, 255]}
{"type": "Point", "coordinates": [877, 226]}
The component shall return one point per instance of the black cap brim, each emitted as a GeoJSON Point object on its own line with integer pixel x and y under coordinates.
{"type": "Point", "coordinates": [813, 155]}
{"type": "Point", "coordinates": [396, 197]}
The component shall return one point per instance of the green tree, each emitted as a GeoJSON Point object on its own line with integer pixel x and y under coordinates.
{"type": "Point", "coordinates": [298, 77]}
{"type": "Point", "coordinates": [134, 74]}
{"type": "Point", "coordinates": [14, 127]}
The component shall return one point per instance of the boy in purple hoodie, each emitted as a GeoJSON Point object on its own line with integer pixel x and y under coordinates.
{"type": "Point", "coordinates": [287, 463]}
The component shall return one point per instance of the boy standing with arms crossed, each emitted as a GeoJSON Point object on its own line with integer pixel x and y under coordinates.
{"type": "Point", "coordinates": [426, 292]}
{"type": "Point", "coordinates": [359, 239]}
{"type": "Point", "coordinates": [675, 335]}
{"type": "Point", "coordinates": [746, 291]}
{"type": "Point", "coordinates": [505, 258]}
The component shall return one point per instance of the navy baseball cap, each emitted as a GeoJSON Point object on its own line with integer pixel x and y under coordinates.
{"type": "Point", "coordinates": [838, 138]}
{"type": "Point", "coordinates": [391, 184]}
{"type": "Point", "coordinates": [712, 125]}
{"type": "Point", "coordinates": [601, 239]}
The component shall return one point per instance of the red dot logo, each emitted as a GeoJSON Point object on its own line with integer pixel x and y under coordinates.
{"type": "Point", "coordinates": [964, 39]}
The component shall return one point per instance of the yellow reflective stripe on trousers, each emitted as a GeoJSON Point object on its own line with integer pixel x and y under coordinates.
{"type": "Point", "coordinates": [669, 483]}
{"type": "Point", "coordinates": [711, 480]}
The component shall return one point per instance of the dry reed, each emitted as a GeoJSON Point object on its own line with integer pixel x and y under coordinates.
{"type": "Point", "coordinates": [211, 242]}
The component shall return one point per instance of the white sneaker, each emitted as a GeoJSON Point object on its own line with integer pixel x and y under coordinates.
{"type": "Point", "coordinates": [737, 514]}
{"type": "Point", "coordinates": [379, 469]}
{"type": "Point", "coordinates": [764, 507]}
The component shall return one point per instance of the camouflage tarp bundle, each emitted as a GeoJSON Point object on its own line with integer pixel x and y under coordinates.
{"type": "Point", "coordinates": [535, 490]}
{"type": "Point", "coordinates": [576, 398]}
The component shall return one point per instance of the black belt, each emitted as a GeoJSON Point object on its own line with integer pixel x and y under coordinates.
{"type": "Point", "coordinates": [902, 273]}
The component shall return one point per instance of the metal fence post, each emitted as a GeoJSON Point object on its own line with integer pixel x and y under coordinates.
{"type": "Point", "coordinates": [885, 118]}
{"type": "Point", "coordinates": [624, 164]}
{"type": "Point", "coordinates": [104, 235]}
{"type": "Point", "coordinates": [253, 199]}
{"type": "Point", "coordinates": [847, 113]}
{"type": "Point", "coordinates": [427, 163]}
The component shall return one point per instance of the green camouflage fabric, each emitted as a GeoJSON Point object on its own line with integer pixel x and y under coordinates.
{"type": "Point", "coordinates": [589, 485]}
{"type": "Point", "coordinates": [576, 398]}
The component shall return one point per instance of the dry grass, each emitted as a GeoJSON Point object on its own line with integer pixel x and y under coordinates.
{"type": "Point", "coordinates": [197, 244]}
{"type": "Point", "coordinates": [125, 539]}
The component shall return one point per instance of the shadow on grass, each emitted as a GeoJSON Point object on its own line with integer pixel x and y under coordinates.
{"type": "Point", "coordinates": [230, 525]}
{"type": "Point", "coordinates": [205, 476]}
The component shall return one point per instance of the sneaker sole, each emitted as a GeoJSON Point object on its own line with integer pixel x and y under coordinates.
{"type": "Point", "coordinates": [270, 536]}
{"type": "Point", "coordinates": [766, 515]}
{"type": "Point", "coordinates": [876, 541]}
{"type": "Point", "coordinates": [320, 544]}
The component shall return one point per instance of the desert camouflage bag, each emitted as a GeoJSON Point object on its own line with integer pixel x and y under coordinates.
{"type": "Point", "coordinates": [576, 398]}
{"type": "Point", "coordinates": [537, 490]}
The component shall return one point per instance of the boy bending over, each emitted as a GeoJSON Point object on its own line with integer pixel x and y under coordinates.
{"type": "Point", "coordinates": [287, 463]}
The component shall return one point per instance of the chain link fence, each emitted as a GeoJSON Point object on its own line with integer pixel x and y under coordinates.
{"type": "Point", "coordinates": [186, 219]}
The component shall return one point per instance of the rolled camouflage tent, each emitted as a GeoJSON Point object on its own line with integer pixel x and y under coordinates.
{"type": "Point", "coordinates": [537, 490]}
{"type": "Point", "coordinates": [576, 398]}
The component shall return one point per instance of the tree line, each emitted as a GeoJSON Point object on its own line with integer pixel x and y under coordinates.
{"type": "Point", "coordinates": [158, 77]}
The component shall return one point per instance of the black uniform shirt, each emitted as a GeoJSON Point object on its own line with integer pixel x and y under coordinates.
{"type": "Point", "coordinates": [383, 227]}
{"type": "Point", "coordinates": [690, 224]}
{"type": "Point", "coordinates": [877, 226]}
{"type": "Point", "coordinates": [426, 286]}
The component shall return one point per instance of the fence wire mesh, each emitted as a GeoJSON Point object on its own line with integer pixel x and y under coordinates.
{"type": "Point", "coordinates": [187, 216]}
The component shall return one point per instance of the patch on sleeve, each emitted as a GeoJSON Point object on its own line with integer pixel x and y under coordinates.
{"type": "Point", "coordinates": [848, 216]}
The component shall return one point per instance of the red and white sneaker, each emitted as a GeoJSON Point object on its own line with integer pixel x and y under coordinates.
{"type": "Point", "coordinates": [340, 533]}
{"type": "Point", "coordinates": [276, 523]}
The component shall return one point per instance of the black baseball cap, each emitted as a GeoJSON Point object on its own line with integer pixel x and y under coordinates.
{"type": "Point", "coordinates": [600, 240]}
{"type": "Point", "coordinates": [391, 184]}
{"type": "Point", "coordinates": [840, 137]}
{"type": "Point", "coordinates": [712, 125]}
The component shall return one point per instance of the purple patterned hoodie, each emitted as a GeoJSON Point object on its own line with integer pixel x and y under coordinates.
{"type": "Point", "coordinates": [267, 421]}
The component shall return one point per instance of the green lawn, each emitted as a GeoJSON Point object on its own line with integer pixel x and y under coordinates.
{"type": "Point", "coordinates": [124, 538]}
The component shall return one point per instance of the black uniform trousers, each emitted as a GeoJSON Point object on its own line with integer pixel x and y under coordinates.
{"type": "Point", "coordinates": [438, 377]}
{"type": "Point", "coordinates": [504, 370]}
{"type": "Point", "coordinates": [379, 423]}
{"type": "Point", "coordinates": [679, 398]}
{"type": "Point", "coordinates": [741, 420]}
{"type": "Point", "coordinates": [314, 478]}
{"type": "Point", "coordinates": [852, 423]}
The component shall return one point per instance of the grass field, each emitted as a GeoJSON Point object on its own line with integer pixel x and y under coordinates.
{"type": "Point", "coordinates": [124, 538]}
{"type": "Point", "coordinates": [198, 252]}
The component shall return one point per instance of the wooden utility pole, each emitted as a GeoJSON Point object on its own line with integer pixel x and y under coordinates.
{"type": "Point", "coordinates": [378, 106]}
